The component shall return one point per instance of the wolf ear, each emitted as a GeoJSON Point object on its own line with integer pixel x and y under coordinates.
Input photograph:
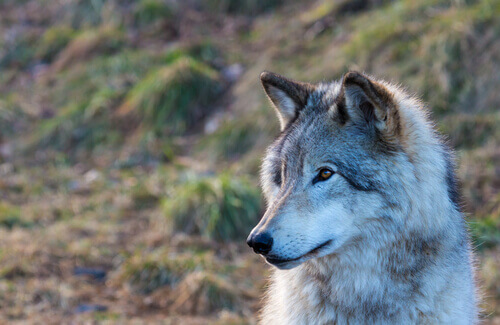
{"type": "Point", "coordinates": [288, 96]}
{"type": "Point", "coordinates": [371, 101]}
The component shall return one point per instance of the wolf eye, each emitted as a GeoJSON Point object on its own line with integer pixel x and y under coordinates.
{"type": "Point", "coordinates": [323, 175]}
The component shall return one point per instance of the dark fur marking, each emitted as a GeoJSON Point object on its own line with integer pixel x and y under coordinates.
{"type": "Point", "coordinates": [368, 111]}
{"type": "Point", "coordinates": [411, 256]}
{"type": "Point", "coordinates": [277, 175]}
{"type": "Point", "coordinates": [451, 180]}
{"type": "Point", "coordinates": [352, 176]}
{"type": "Point", "coordinates": [278, 148]}
{"type": "Point", "coordinates": [386, 147]}
{"type": "Point", "coordinates": [371, 310]}
{"type": "Point", "coordinates": [342, 114]}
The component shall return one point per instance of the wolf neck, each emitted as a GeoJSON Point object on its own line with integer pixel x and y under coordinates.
{"type": "Point", "coordinates": [368, 283]}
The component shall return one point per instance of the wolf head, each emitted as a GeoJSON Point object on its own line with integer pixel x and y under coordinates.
{"type": "Point", "coordinates": [332, 173]}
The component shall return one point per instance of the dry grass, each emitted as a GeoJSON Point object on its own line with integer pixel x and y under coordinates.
{"type": "Point", "coordinates": [103, 40]}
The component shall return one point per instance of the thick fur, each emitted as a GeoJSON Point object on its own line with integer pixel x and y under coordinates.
{"type": "Point", "coordinates": [383, 240]}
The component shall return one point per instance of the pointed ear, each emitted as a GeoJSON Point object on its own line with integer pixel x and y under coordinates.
{"type": "Point", "coordinates": [371, 101]}
{"type": "Point", "coordinates": [288, 96]}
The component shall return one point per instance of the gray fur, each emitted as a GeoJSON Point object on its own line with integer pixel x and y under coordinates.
{"type": "Point", "coordinates": [383, 240]}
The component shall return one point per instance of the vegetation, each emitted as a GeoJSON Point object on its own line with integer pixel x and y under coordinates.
{"type": "Point", "coordinates": [131, 134]}
{"type": "Point", "coordinates": [174, 97]}
{"type": "Point", "coordinates": [150, 11]}
{"type": "Point", "coordinates": [222, 207]}
{"type": "Point", "coordinates": [159, 268]}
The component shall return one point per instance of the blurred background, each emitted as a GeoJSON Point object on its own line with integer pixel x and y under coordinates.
{"type": "Point", "coordinates": [131, 134]}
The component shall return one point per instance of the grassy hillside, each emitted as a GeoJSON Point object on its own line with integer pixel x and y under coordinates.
{"type": "Point", "coordinates": [131, 134]}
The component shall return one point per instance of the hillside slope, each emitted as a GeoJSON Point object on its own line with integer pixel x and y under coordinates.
{"type": "Point", "coordinates": [131, 134]}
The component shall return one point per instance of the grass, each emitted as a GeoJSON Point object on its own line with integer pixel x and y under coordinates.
{"type": "Point", "coordinates": [147, 12]}
{"type": "Point", "coordinates": [10, 216]}
{"type": "Point", "coordinates": [175, 97]}
{"type": "Point", "coordinates": [83, 13]}
{"type": "Point", "coordinates": [105, 39]}
{"type": "Point", "coordinates": [247, 7]}
{"type": "Point", "coordinates": [87, 95]}
{"type": "Point", "coordinates": [230, 140]}
{"type": "Point", "coordinates": [223, 207]}
{"type": "Point", "coordinates": [486, 233]}
{"type": "Point", "coordinates": [201, 292]}
{"type": "Point", "coordinates": [141, 154]}
{"type": "Point", "coordinates": [18, 52]}
{"type": "Point", "coordinates": [471, 131]}
{"type": "Point", "coordinates": [146, 273]}
{"type": "Point", "coordinates": [53, 40]}
{"type": "Point", "coordinates": [425, 41]}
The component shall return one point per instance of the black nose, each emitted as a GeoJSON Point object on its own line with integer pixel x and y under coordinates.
{"type": "Point", "coordinates": [261, 243]}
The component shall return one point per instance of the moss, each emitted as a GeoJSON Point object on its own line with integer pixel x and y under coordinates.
{"type": "Point", "coordinates": [224, 207]}
{"type": "Point", "coordinates": [174, 97]}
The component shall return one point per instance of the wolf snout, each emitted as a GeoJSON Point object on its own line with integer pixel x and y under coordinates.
{"type": "Point", "coordinates": [261, 243]}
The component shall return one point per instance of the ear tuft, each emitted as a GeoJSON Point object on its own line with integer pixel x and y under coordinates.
{"type": "Point", "coordinates": [288, 96]}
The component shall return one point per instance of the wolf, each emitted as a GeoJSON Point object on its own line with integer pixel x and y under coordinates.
{"type": "Point", "coordinates": [363, 221]}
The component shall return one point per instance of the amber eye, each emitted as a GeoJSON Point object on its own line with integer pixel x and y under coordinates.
{"type": "Point", "coordinates": [325, 174]}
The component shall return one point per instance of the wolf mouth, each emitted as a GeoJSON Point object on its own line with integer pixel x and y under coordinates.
{"type": "Point", "coordinates": [279, 261]}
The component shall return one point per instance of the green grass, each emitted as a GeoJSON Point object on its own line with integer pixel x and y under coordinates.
{"type": "Point", "coordinates": [11, 216]}
{"type": "Point", "coordinates": [230, 140]}
{"type": "Point", "coordinates": [485, 233]}
{"type": "Point", "coordinates": [241, 7]}
{"type": "Point", "coordinates": [87, 96]}
{"type": "Point", "coordinates": [223, 207]}
{"type": "Point", "coordinates": [102, 101]}
{"type": "Point", "coordinates": [53, 40]}
{"type": "Point", "coordinates": [150, 11]}
{"type": "Point", "coordinates": [173, 98]}
{"type": "Point", "coordinates": [84, 13]}
{"type": "Point", "coordinates": [467, 131]}
{"type": "Point", "coordinates": [18, 52]}
{"type": "Point", "coordinates": [422, 45]}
